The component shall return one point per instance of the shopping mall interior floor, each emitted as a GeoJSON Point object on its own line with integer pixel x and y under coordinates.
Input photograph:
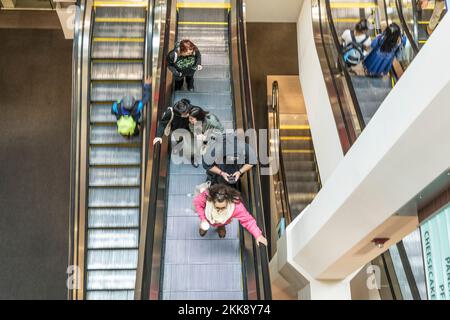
{"type": "Point", "coordinates": [35, 102]}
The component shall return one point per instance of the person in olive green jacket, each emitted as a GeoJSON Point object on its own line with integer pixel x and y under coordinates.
{"type": "Point", "coordinates": [204, 126]}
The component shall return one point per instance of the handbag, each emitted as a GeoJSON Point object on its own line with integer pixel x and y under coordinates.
{"type": "Point", "coordinates": [168, 128]}
{"type": "Point", "coordinates": [202, 187]}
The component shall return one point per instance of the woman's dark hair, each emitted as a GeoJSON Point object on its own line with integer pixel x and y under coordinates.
{"type": "Point", "coordinates": [198, 113]}
{"type": "Point", "coordinates": [361, 26]}
{"type": "Point", "coordinates": [182, 106]}
{"type": "Point", "coordinates": [390, 37]}
{"type": "Point", "coordinates": [186, 45]}
{"type": "Point", "coordinates": [222, 192]}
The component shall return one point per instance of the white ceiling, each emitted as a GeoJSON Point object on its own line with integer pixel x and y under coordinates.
{"type": "Point", "coordinates": [273, 10]}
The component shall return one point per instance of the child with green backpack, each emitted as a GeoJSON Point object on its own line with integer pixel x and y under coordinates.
{"type": "Point", "coordinates": [128, 111]}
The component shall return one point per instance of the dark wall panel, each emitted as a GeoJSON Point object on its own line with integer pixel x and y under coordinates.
{"type": "Point", "coordinates": [35, 97]}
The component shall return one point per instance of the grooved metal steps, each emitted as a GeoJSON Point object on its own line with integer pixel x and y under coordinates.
{"type": "Point", "coordinates": [114, 176]}
{"type": "Point", "coordinates": [187, 256]}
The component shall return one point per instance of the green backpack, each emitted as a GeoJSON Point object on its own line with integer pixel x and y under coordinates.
{"type": "Point", "coordinates": [126, 126]}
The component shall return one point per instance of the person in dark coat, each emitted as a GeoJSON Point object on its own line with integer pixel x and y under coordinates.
{"type": "Point", "coordinates": [183, 62]}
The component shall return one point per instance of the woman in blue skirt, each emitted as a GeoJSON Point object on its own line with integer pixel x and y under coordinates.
{"type": "Point", "coordinates": [385, 48]}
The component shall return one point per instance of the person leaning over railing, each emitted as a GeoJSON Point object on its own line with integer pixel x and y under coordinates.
{"type": "Point", "coordinates": [218, 206]}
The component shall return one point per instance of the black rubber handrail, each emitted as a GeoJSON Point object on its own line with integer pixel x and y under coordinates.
{"type": "Point", "coordinates": [343, 66]}
{"type": "Point", "coordinates": [349, 137]}
{"type": "Point", "coordinates": [281, 170]}
{"type": "Point", "coordinates": [261, 253]}
{"type": "Point", "coordinates": [149, 278]}
{"type": "Point", "coordinates": [399, 6]}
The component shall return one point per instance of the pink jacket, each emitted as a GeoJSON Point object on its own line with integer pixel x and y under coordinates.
{"type": "Point", "coordinates": [240, 213]}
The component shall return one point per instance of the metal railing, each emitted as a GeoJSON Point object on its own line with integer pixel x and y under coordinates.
{"type": "Point", "coordinates": [281, 190]}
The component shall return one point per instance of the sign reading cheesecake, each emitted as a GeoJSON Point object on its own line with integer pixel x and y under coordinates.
{"type": "Point", "coordinates": [436, 249]}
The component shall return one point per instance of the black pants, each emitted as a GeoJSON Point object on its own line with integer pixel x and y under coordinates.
{"type": "Point", "coordinates": [179, 81]}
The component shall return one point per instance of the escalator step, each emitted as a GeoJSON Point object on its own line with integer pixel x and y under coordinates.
{"type": "Point", "coordinates": [118, 12]}
{"type": "Point", "coordinates": [117, 50]}
{"type": "Point", "coordinates": [216, 59]}
{"type": "Point", "coordinates": [112, 259]}
{"type": "Point", "coordinates": [184, 184]}
{"type": "Point", "coordinates": [113, 239]}
{"type": "Point", "coordinates": [187, 228]}
{"type": "Point", "coordinates": [194, 33]}
{"type": "Point", "coordinates": [213, 85]}
{"type": "Point", "coordinates": [213, 72]}
{"type": "Point", "coordinates": [205, 99]}
{"type": "Point", "coordinates": [202, 252]}
{"type": "Point", "coordinates": [221, 277]}
{"type": "Point", "coordinates": [302, 186]}
{"type": "Point", "coordinates": [103, 280]}
{"type": "Point", "coordinates": [117, 71]}
{"type": "Point", "coordinates": [109, 135]}
{"type": "Point", "coordinates": [119, 30]}
{"type": "Point", "coordinates": [114, 156]}
{"type": "Point", "coordinates": [101, 113]}
{"type": "Point", "coordinates": [109, 218]}
{"type": "Point", "coordinates": [181, 206]}
{"type": "Point", "coordinates": [114, 197]}
{"type": "Point", "coordinates": [110, 295]}
{"type": "Point", "coordinates": [112, 91]}
{"type": "Point", "coordinates": [202, 15]}
{"type": "Point", "coordinates": [296, 144]}
{"type": "Point", "coordinates": [114, 176]}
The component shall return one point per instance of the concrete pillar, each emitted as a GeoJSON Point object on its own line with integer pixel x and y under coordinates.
{"type": "Point", "coordinates": [8, 3]}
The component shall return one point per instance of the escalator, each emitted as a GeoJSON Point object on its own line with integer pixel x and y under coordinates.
{"type": "Point", "coordinates": [187, 257]}
{"type": "Point", "coordinates": [297, 181]}
{"type": "Point", "coordinates": [176, 262]}
{"type": "Point", "coordinates": [107, 210]}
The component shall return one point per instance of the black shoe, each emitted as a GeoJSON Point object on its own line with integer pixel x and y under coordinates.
{"type": "Point", "coordinates": [195, 165]}
{"type": "Point", "coordinates": [191, 89]}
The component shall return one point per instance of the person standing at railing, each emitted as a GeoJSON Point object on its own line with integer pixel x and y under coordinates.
{"type": "Point", "coordinates": [439, 7]}
{"type": "Point", "coordinates": [218, 206]}
{"type": "Point", "coordinates": [183, 62]}
{"type": "Point", "coordinates": [385, 48]}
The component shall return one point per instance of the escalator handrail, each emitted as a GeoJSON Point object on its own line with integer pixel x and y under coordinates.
{"type": "Point", "coordinates": [399, 6]}
{"type": "Point", "coordinates": [75, 136]}
{"type": "Point", "coordinates": [146, 278]}
{"type": "Point", "coordinates": [262, 257]}
{"type": "Point", "coordinates": [343, 67]}
{"type": "Point", "coordinates": [281, 170]}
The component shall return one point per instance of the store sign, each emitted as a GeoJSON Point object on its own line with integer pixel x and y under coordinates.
{"type": "Point", "coordinates": [436, 250]}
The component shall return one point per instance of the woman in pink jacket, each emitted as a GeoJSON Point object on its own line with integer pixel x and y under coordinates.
{"type": "Point", "coordinates": [218, 206]}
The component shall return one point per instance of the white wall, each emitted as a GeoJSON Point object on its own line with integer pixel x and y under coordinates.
{"type": "Point", "coordinates": [273, 10]}
{"type": "Point", "coordinates": [324, 132]}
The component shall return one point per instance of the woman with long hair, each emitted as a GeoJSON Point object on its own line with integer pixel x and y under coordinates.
{"type": "Point", "coordinates": [218, 206]}
{"type": "Point", "coordinates": [385, 48]}
{"type": "Point", "coordinates": [183, 62]}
